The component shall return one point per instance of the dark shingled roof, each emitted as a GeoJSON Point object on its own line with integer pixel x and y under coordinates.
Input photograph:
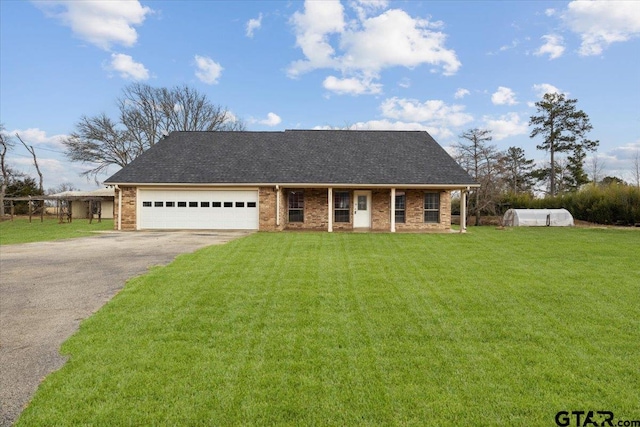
{"type": "Point", "coordinates": [295, 157]}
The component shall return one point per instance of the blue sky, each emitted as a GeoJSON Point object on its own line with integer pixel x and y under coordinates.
{"type": "Point", "coordinates": [440, 66]}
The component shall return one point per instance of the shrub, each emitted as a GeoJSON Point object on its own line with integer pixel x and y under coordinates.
{"type": "Point", "coordinates": [604, 204]}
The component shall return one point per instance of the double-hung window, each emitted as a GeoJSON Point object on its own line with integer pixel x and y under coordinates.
{"type": "Point", "coordinates": [296, 206]}
{"type": "Point", "coordinates": [341, 206]}
{"type": "Point", "coordinates": [432, 207]}
{"type": "Point", "coordinates": [401, 204]}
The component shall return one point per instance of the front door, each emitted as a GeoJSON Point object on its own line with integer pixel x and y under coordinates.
{"type": "Point", "coordinates": [361, 209]}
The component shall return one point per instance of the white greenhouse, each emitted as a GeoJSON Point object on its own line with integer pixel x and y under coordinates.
{"type": "Point", "coordinates": [538, 218]}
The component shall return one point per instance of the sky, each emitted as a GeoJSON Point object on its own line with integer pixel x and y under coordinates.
{"type": "Point", "coordinates": [440, 66]}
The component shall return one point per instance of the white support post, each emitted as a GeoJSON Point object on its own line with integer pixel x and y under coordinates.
{"type": "Point", "coordinates": [277, 206]}
{"type": "Point", "coordinates": [393, 210]}
{"type": "Point", "coordinates": [463, 211]}
{"type": "Point", "coordinates": [329, 210]}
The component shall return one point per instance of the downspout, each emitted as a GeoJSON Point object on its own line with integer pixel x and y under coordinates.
{"type": "Point", "coordinates": [119, 207]}
{"type": "Point", "coordinates": [277, 206]}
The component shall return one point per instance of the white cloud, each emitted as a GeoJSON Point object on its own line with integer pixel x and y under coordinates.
{"type": "Point", "coordinates": [506, 125]}
{"type": "Point", "coordinates": [550, 12]}
{"type": "Point", "coordinates": [351, 86]}
{"type": "Point", "coordinates": [272, 120]}
{"type": "Point", "coordinates": [544, 88]}
{"type": "Point", "coordinates": [601, 23]}
{"type": "Point", "coordinates": [405, 83]}
{"type": "Point", "coordinates": [366, 7]}
{"type": "Point", "coordinates": [461, 93]}
{"type": "Point", "coordinates": [504, 96]}
{"type": "Point", "coordinates": [208, 71]}
{"type": "Point", "coordinates": [102, 23]}
{"type": "Point", "coordinates": [367, 45]}
{"type": "Point", "coordinates": [553, 46]}
{"type": "Point", "coordinates": [434, 113]}
{"type": "Point", "coordinates": [35, 136]}
{"type": "Point", "coordinates": [253, 24]}
{"type": "Point", "coordinates": [313, 27]}
{"type": "Point", "coordinates": [396, 39]}
{"type": "Point", "coordinates": [127, 67]}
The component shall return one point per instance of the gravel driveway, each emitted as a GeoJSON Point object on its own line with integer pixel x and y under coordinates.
{"type": "Point", "coordinates": [47, 288]}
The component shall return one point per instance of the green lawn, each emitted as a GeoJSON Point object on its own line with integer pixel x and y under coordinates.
{"type": "Point", "coordinates": [486, 328]}
{"type": "Point", "coordinates": [20, 230]}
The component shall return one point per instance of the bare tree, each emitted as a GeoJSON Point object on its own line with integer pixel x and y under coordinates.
{"type": "Point", "coordinates": [636, 168]}
{"type": "Point", "coordinates": [61, 188]}
{"type": "Point", "coordinates": [480, 160]}
{"type": "Point", "coordinates": [35, 161]}
{"type": "Point", "coordinates": [5, 145]}
{"type": "Point", "coordinates": [597, 166]}
{"type": "Point", "coordinates": [145, 115]}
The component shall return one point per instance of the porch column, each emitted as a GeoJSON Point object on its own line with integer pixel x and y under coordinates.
{"type": "Point", "coordinates": [393, 210]}
{"type": "Point", "coordinates": [329, 215]}
{"type": "Point", "coordinates": [277, 206]}
{"type": "Point", "coordinates": [463, 211]}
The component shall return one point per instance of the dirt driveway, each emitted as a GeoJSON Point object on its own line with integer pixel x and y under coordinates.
{"type": "Point", "coordinates": [47, 288]}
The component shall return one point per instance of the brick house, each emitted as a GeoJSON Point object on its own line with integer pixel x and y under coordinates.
{"type": "Point", "coordinates": [292, 180]}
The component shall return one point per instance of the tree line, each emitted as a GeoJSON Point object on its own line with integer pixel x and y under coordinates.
{"type": "Point", "coordinates": [509, 180]}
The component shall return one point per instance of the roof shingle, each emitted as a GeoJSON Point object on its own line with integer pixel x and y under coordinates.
{"type": "Point", "coordinates": [295, 157]}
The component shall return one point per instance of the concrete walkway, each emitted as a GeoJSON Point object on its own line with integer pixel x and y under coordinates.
{"type": "Point", "coordinates": [48, 288]}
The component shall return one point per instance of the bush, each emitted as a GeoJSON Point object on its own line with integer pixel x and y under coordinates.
{"type": "Point", "coordinates": [605, 204]}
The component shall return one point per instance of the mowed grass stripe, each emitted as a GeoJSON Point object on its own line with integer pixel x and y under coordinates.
{"type": "Point", "coordinates": [488, 328]}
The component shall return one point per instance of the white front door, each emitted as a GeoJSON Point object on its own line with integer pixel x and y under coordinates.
{"type": "Point", "coordinates": [361, 209]}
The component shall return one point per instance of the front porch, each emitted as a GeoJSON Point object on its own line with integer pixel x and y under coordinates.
{"type": "Point", "coordinates": [357, 209]}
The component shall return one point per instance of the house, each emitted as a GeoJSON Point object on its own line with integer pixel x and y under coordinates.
{"type": "Point", "coordinates": [292, 180]}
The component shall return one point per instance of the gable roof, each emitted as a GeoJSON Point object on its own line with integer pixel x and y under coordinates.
{"type": "Point", "coordinates": [329, 157]}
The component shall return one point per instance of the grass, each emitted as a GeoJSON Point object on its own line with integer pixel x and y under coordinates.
{"type": "Point", "coordinates": [20, 230]}
{"type": "Point", "coordinates": [487, 328]}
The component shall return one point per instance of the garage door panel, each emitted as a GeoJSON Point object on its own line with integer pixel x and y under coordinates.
{"type": "Point", "coordinates": [188, 209]}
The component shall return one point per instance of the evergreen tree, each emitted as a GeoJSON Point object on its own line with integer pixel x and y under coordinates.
{"type": "Point", "coordinates": [563, 128]}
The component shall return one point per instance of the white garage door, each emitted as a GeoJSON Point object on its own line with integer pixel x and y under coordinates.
{"type": "Point", "coordinates": [199, 210]}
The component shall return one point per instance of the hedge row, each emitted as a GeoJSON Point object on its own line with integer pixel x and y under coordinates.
{"type": "Point", "coordinates": [612, 204]}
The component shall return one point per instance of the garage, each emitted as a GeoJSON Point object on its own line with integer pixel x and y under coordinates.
{"type": "Point", "coordinates": [198, 209]}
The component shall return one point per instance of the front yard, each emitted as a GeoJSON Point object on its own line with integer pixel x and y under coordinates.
{"type": "Point", "coordinates": [20, 230]}
{"type": "Point", "coordinates": [487, 328]}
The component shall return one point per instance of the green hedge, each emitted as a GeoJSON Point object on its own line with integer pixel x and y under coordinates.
{"type": "Point", "coordinates": [611, 204]}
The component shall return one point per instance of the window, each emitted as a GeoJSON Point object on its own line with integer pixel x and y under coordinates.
{"type": "Point", "coordinates": [182, 204]}
{"type": "Point", "coordinates": [158, 204]}
{"type": "Point", "coordinates": [251, 204]}
{"type": "Point", "coordinates": [170, 204]}
{"type": "Point", "coordinates": [401, 203]}
{"type": "Point", "coordinates": [228, 204]}
{"type": "Point", "coordinates": [204, 204]}
{"type": "Point", "coordinates": [146, 204]}
{"type": "Point", "coordinates": [296, 206]}
{"type": "Point", "coordinates": [239, 204]}
{"type": "Point", "coordinates": [432, 207]}
{"type": "Point", "coordinates": [341, 206]}
{"type": "Point", "coordinates": [193, 204]}
{"type": "Point", "coordinates": [216, 204]}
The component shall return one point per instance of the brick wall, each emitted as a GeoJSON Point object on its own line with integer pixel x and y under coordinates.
{"type": "Point", "coordinates": [315, 211]}
{"type": "Point", "coordinates": [414, 212]}
{"type": "Point", "coordinates": [128, 209]}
